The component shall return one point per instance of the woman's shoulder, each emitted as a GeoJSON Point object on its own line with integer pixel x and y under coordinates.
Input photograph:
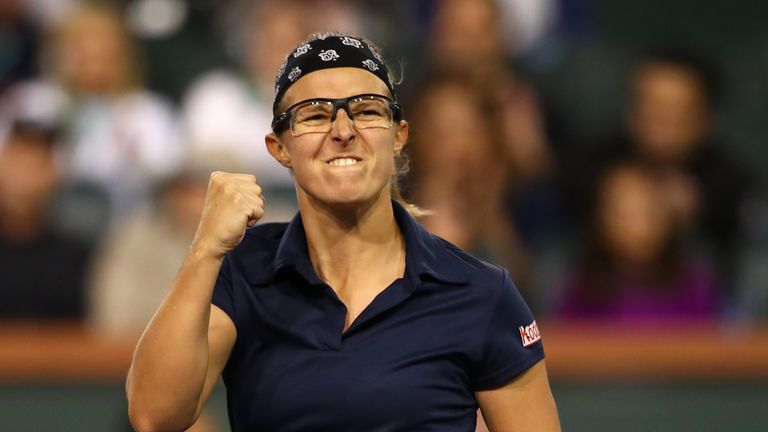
{"type": "Point", "coordinates": [259, 245]}
{"type": "Point", "coordinates": [264, 235]}
{"type": "Point", "coordinates": [476, 272]}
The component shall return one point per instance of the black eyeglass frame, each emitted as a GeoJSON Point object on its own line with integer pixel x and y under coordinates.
{"type": "Point", "coordinates": [282, 120]}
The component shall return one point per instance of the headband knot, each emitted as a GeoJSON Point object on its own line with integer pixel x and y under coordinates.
{"type": "Point", "coordinates": [329, 52]}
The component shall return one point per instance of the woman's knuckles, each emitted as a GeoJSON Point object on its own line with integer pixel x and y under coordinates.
{"type": "Point", "coordinates": [234, 203]}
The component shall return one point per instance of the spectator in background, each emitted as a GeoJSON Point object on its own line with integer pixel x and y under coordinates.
{"type": "Point", "coordinates": [19, 44]}
{"type": "Point", "coordinates": [468, 41]}
{"type": "Point", "coordinates": [634, 268]}
{"type": "Point", "coordinates": [461, 174]}
{"type": "Point", "coordinates": [121, 138]}
{"type": "Point", "coordinates": [671, 124]}
{"type": "Point", "coordinates": [42, 270]}
{"type": "Point", "coordinates": [129, 280]}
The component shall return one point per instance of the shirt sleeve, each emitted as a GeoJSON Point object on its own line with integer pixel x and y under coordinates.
{"type": "Point", "coordinates": [223, 296]}
{"type": "Point", "coordinates": [511, 343]}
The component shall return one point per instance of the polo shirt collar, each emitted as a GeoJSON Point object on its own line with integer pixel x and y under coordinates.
{"type": "Point", "coordinates": [292, 252]}
{"type": "Point", "coordinates": [426, 255]}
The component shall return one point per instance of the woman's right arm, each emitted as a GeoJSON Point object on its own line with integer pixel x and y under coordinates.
{"type": "Point", "coordinates": [186, 345]}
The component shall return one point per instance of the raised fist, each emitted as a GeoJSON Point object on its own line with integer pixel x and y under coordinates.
{"type": "Point", "coordinates": [233, 203]}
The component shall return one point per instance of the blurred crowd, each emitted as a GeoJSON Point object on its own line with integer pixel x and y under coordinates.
{"type": "Point", "coordinates": [113, 115]}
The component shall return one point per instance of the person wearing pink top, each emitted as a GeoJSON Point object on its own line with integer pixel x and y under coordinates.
{"type": "Point", "coordinates": [634, 269]}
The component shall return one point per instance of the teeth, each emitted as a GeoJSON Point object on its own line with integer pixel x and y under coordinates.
{"type": "Point", "coordinates": [343, 162]}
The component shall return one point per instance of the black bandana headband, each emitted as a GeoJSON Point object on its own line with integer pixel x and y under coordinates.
{"type": "Point", "coordinates": [329, 52]}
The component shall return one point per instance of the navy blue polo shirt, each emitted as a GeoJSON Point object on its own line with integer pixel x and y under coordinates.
{"type": "Point", "coordinates": [411, 361]}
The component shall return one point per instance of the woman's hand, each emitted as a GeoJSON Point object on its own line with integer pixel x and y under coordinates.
{"type": "Point", "coordinates": [233, 203]}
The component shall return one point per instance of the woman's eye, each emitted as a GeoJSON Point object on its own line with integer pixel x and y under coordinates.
{"type": "Point", "coordinates": [313, 117]}
{"type": "Point", "coordinates": [369, 113]}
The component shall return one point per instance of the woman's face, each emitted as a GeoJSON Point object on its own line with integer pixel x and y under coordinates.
{"type": "Point", "coordinates": [633, 218]}
{"type": "Point", "coordinates": [669, 115]}
{"type": "Point", "coordinates": [27, 176]}
{"type": "Point", "coordinates": [94, 53]}
{"type": "Point", "coordinates": [344, 165]}
{"type": "Point", "coordinates": [466, 34]}
{"type": "Point", "coordinates": [451, 133]}
{"type": "Point", "coordinates": [275, 30]}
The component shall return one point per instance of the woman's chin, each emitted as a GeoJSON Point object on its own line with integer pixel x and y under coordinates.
{"type": "Point", "coordinates": [352, 197]}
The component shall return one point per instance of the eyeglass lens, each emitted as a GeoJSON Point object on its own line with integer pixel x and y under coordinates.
{"type": "Point", "coordinates": [317, 116]}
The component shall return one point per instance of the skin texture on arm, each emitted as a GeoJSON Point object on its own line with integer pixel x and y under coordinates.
{"type": "Point", "coordinates": [186, 345]}
{"type": "Point", "coordinates": [179, 357]}
{"type": "Point", "coordinates": [523, 405]}
{"type": "Point", "coordinates": [221, 339]}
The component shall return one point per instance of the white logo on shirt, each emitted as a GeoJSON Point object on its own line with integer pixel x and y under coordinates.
{"type": "Point", "coordinates": [530, 334]}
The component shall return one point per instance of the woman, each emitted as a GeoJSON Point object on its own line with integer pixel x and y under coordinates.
{"type": "Point", "coordinates": [351, 317]}
{"type": "Point", "coordinates": [635, 269]}
{"type": "Point", "coordinates": [458, 165]}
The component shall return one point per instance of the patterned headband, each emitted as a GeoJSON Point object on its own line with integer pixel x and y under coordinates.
{"type": "Point", "coordinates": [329, 52]}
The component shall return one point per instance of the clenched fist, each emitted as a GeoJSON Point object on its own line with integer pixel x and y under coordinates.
{"type": "Point", "coordinates": [233, 203]}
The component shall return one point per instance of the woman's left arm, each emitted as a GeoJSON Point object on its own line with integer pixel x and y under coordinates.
{"type": "Point", "coordinates": [523, 404]}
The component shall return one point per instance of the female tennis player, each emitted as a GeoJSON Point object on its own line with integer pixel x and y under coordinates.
{"type": "Point", "coordinates": [351, 317]}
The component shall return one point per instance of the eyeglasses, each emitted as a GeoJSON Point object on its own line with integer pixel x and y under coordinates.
{"type": "Point", "coordinates": [317, 115]}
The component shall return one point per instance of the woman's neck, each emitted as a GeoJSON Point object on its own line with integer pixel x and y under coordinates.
{"type": "Point", "coordinates": [346, 242]}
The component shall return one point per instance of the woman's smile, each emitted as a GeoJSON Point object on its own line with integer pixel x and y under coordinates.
{"type": "Point", "coordinates": [343, 162]}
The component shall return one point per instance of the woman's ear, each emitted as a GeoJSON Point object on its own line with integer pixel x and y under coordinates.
{"type": "Point", "coordinates": [401, 136]}
{"type": "Point", "coordinates": [278, 150]}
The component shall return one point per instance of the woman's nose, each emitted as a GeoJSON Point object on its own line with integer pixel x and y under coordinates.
{"type": "Point", "coordinates": [342, 127]}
